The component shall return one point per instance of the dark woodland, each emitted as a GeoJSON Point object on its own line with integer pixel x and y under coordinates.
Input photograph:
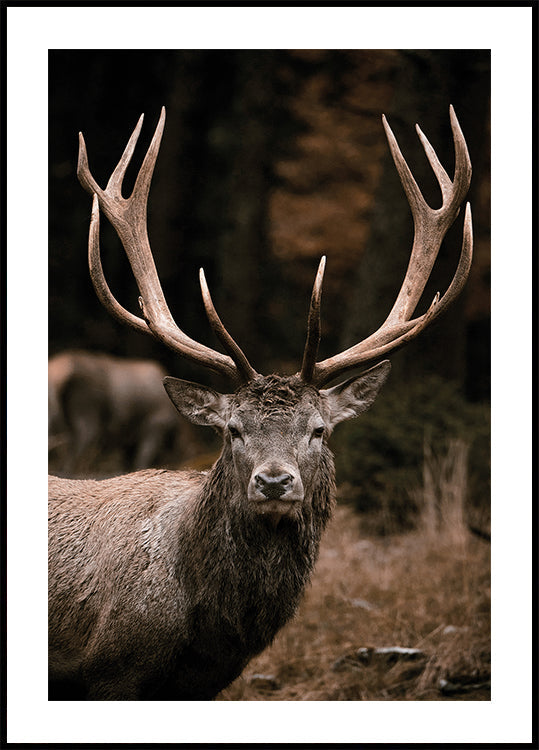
{"type": "Point", "coordinates": [269, 160]}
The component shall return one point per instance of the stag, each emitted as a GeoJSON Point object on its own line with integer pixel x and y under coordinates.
{"type": "Point", "coordinates": [101, 405]}
{"type": "Point", "coordinates": [164, 584]}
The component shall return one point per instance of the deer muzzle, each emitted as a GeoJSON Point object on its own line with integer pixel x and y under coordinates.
{"type": "Point", "coordinates": [275, 489]}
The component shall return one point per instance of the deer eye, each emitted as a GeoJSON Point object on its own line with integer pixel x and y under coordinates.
{"type": "Point", "coordinates": [317, 432]}
{"type": "Point", "coordinates": [233, 431]}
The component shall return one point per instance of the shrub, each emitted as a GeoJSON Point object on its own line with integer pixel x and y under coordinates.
{"type": "Point", "coordinates": [380, 457]}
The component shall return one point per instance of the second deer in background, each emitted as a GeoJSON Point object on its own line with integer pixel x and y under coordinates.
{"type": "Point", "coordinates": [109, 415]}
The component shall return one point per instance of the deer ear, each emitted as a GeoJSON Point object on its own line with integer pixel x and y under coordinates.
{"type": "Point", "coordinates": [349, 399]}
{"type": "Point", "coordinates": [198, 404]}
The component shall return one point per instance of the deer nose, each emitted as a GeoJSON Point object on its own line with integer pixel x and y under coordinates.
{"type": "Point", "coordinates": [272, 487]}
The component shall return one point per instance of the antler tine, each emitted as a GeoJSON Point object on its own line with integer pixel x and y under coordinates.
{"type": "Point", "coordinates": [128, 217]}
{"type": "Point", "coordinates": [245, 370]}
{"type": "Point", "coordinates": [313, 325]}
{"type": "Point", "coordinates": [101, 287]}
{"type": "Point", "coordinates": [430, 227]}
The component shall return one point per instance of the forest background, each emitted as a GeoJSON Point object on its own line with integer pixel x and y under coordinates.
{"type": "Point", "coordinates": [270, 159]}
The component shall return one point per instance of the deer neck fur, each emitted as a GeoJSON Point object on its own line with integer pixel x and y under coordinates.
{"type": "Point", "coordinates": [246, 574]}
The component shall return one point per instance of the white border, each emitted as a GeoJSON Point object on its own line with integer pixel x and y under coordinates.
{"type": "Point", "coordinates": [31, 32]}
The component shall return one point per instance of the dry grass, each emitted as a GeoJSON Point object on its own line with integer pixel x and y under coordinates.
{"type": "Point", "coordinates": [429, 591]}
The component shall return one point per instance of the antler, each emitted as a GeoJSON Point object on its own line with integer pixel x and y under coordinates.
{"type": "Point", "coordinates": [128, 217]}
{"type": "Point", "coordinates": [430, 227]}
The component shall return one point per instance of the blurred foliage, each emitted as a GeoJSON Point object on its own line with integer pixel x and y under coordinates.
{"type": "Point", "coordinates": [379, 457]}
